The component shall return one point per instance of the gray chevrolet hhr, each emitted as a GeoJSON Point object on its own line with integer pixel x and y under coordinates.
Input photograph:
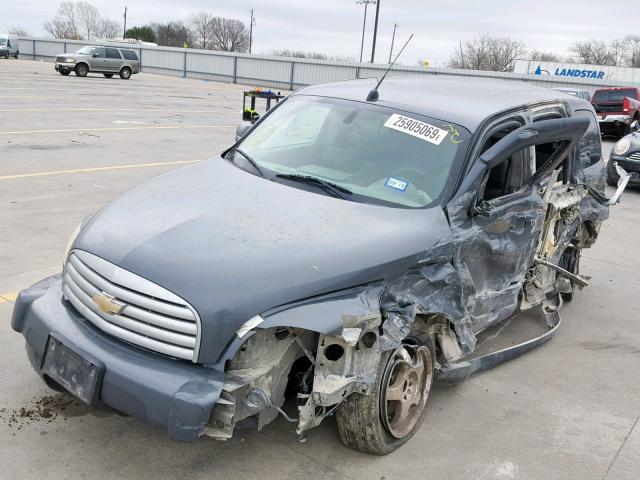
{"type": "Point", "coordinates": [345, 252]}
{"type": "Point", "coordinates": [107, 60]}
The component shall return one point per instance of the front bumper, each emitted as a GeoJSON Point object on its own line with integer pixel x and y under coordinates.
{"type": "Point", "coordinates": [613, 121]}
{"type": "Point", "coordinates": [65, 67]}
{"type": "Point", "coordinates": [172, 394]}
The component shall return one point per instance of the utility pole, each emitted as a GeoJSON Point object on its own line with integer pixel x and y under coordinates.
{"type": "Point", "coordinates": [375, 32]}
{"type": "Point", "coordinates": [251, 24]}
{"type": "Point", "coordinates": [364, 23]}
{"type": "Point", "coordinates": [393, 39]}
{"type": "Point", "coordinates": [124, 32]}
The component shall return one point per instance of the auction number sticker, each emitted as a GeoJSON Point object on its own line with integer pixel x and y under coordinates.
{"type": "Point", "coordinates": [416, 128]}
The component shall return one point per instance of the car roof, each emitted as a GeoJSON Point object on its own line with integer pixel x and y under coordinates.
{"type": "Point", "coordinates": [466, 101]}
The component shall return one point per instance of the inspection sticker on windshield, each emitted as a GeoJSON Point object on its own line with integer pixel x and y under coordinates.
{"type": "Point", "coordinates": [418, 129]}
{"type": "Point", "coordinates": [397, 184]}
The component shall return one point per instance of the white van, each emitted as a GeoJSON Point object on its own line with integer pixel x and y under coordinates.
{"type": "Point", "coordinates": [9, 45]}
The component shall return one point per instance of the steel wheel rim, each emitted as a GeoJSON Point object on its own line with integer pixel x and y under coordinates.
{"type": "Point", "coordinates": [406, 385]}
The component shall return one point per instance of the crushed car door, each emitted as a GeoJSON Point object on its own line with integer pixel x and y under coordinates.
{"type": "Point", "coordinates": [499, 212]}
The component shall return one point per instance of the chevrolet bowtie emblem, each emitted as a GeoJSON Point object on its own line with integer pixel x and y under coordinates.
{"type": "Point", "coordinates": [108, 304]}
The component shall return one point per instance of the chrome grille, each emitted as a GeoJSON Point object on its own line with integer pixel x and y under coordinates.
{"type": "Point", "coordinates": [143, 313]}
{"type": "Point", "coordinates": [634, 156]}
{"type": "Point", "coordinates": [61, 59]}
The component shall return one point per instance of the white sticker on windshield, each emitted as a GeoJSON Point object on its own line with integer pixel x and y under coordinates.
{"type": "Point", "coordinates": [416, 128]}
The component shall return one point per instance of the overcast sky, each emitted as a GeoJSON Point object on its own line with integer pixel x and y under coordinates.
{"type": "Point", "coordinates": [334, 27]}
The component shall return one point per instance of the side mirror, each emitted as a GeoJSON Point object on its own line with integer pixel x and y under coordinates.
{"type": "Point", "coordinates": [635, 126]}
{"type": "Point", "coordinates": [481, 207]}
{"type": "Point", "coordinates": [242, 129]}
{"type": "Point", "coordinates": [95, 55]}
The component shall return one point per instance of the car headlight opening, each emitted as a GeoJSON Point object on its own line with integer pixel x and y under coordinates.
{"type": "Point", "coordinates": [622, 146]}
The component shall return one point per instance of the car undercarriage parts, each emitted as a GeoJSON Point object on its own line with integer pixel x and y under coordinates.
{"type": "Point", "coordinates": [581, 281]}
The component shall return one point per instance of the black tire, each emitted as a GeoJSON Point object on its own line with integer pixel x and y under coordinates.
{"type": "Point", "coordinates": [16, 55]}
{"type": "Point", "coordinates": [81, 70]}
{"type": "Point", "coordinates": [125, 73]}
{"type": "Point", "coordinates": [64, 72]}
{"type": "Point", "coordinates": [108, 75]}
{"type": "Point", "coordinates": [359, 418]}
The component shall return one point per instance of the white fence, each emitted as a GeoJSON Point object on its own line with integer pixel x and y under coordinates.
{"type": "Point", "coordinates": [279, 72]}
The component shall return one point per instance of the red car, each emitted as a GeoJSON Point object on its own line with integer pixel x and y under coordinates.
{"type": "Point", "coordinates": [617, 108]}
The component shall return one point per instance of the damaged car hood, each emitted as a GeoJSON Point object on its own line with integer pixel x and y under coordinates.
{"type": "Point", "coordinates": [234, 245]}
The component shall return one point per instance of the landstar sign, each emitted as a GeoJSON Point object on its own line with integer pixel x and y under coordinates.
{"type": "Point", "coordinates": [577, 72]}
{"type": "Point", "coordinates": [571, 72]}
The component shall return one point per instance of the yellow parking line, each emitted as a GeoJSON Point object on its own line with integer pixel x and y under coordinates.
{"type": "Point", "coordinates": [111, 129]}
{"type": "Point", "coordinates": [97, 169]}
{"type": "Point", "coordinates": [8, 297]}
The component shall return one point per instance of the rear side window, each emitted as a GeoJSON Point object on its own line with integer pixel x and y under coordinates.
{"type": "Point", "coordinates": [113, 53]}
{"type": "Point", "coordinates": [614, 96]}
{"type": "Point", "coordinates": [129, 54]}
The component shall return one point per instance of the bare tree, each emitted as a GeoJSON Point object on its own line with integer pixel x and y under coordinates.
{"type": "Point", "coordinates": [89, 18]}
{"type": "Point", "coordinates": [594, 52]}
{"type": "Point", "coordinates": [202, 29]}
{"type": "Point", "coordinates": [541, 56]}
{"type": "Point", "coordinates": [496, 54]}
{"type": "Point", "coordinates": [59, 28]}
{"type": "Point", "coordinates": [229, 35]}
{"type": "Point", "coordinates": [65, 23]}
{"type": "Point", "coordinates": [108, 29]}
{"type": "Point", "coordinates": [633, 51]}
{"type": "Point", "coordinates": [18, 31]}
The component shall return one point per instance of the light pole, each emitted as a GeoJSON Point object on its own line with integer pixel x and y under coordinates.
{"type": "Point", "coordinates": [393, 39]}
{"type": "Point", "coordinates": [375, 32]}
{"type": "Point", "coordinates": [364, 23]}
{"type": "Point", "coordinates": [124, 32]}
{"type": "Point", "coordinates": [251, 24]}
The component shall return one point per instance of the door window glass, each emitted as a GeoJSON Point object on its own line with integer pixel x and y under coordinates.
{"type": "Point", "coordinates": [511, 175]}
{"type": "Point", "coordinates": [99, 53]}
{"type": "Point", "coordinates": [113, 53]}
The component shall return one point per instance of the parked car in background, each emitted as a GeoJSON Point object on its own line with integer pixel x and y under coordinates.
{"type": "Point", "coordinates": [583, 94]}
{"type": "Point", "coordinates": [626, 153]}
{"type": "Point", "coordinates": [9, 45]}
{"type": "Point", "coordinates": [345, 251]}
{"type": "Point", "coordinates": [107, 60]}
{"type": "Point", "coordinates": [617, 108]}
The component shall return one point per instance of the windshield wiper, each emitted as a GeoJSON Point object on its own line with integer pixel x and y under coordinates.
{"type": "Point", "coordinates": [327, 186]}
{"type": "Point", "coordinates": [253, 163]}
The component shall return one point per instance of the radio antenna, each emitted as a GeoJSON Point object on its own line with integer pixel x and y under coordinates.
{"type": "Point", "coordinates": [373, 94]}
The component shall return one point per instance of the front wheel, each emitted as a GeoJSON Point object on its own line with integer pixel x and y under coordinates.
{"type": "Point", "coordinates": [64, 72]}
{"type": "Point", "coordinates": [81, 70]}
{"type": "Point", "coordinates": [385, 420]}
{"type": "Point", "coordinates": [125, 73]}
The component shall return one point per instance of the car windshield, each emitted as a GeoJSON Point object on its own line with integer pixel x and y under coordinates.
{"type": "Point", "coordinates": [86, 50]}
{"type": "Point", "coordinates": [378, 154]}
{"type": "Point", "coordinates": [3, 42]}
